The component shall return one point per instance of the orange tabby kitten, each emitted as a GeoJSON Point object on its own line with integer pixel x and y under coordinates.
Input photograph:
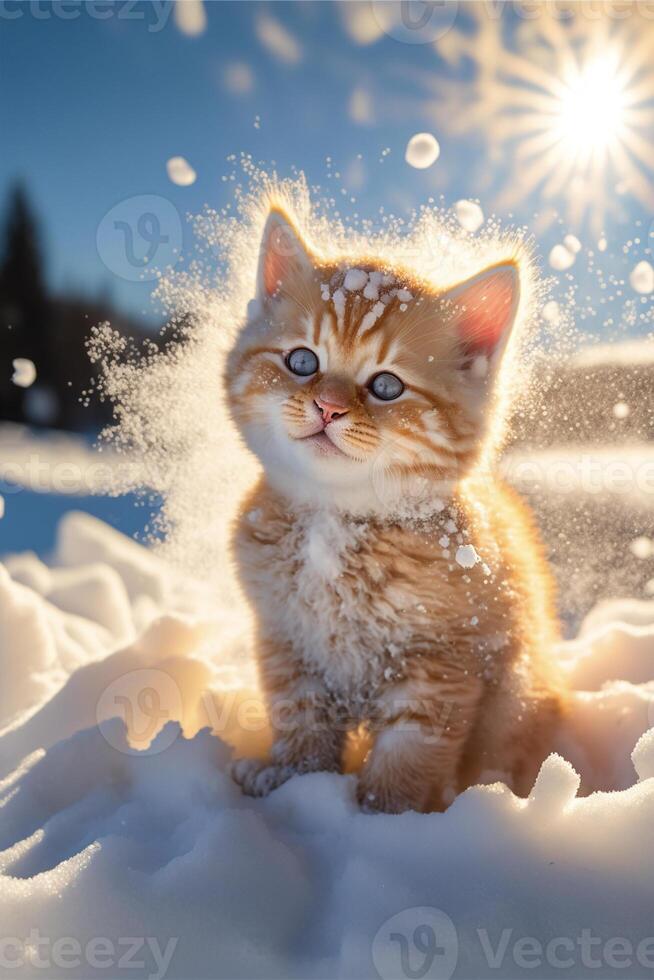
{"type": "Point", "coordinates": [386, 593]}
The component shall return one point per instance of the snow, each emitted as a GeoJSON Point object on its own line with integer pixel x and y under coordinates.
{"type": "Point", "coordinates": [572, 244]}
{"type": "Point", "coordinates": [469, 215]}
{"type": "Point", "coordinates": [552, 312]}
{"type": "Point", "coordinates": [370, 319]}
{"type": "Point", "coordinates": [625, 353]}
{"type": "Point", "coordinates": [239, 78]}
{"type": "Point", "coordinates": [561, 258]}
{"type": "Point", "coordinates": [124, 697]}
{"type": "Point", "coordinates": [372, 289]}
{"type": "Point", "coordinates": [641, 547]}
{"type": "Point", "coordinates": [277, 39]}
{"type": "Point", "coordinates": [422, 151]}
{"type": "Point", "coordinates": [643, 755]}
{"type": "Point", "coordinates": [355, 280]}
{"type": "Point", "coordinates": [24, 372]}
{"type": "Point", "coordinates": [361, 106]}
{"type": "Point", "coordinates": [466, 556]}
{"type": "Point", "coordinates": [338, 300]}
{"type": "Point", "coordinates": [641, 278]}
{"type": "Point", "coordinates": [556, 786]}
{"type": "Point", "coordinates": [181, 172]}
{"type": "Point", "coordinates": [362, 23]}
{"type": "Point", "coordinates": [190, 17]}
{"type": "Point", "coordinates": [83, 539]}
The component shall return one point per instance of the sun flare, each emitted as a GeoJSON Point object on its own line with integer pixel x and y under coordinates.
{"type": "Point", "coordinates": [571, 110]}
{"type": "Point", "coordinates": [591, 111]}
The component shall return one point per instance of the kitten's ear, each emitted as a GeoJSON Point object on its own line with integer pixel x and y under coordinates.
{"type": "Point", "coordinates": [283, 257]}
{"type": "Point", "coordinates": [484, 308]}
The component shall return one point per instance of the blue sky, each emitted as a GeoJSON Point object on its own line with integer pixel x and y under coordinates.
{"type": "Point", "coordinates": [93, 108]}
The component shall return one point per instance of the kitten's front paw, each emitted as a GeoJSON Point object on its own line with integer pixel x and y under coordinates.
{"type": "Point", "coordinates": [257, 778]}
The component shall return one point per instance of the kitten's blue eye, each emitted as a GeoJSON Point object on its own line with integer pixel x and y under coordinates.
{"type": "Point", "coordinates": [302, 361]}
{"type": "Point", "coordinates": [386, 386]}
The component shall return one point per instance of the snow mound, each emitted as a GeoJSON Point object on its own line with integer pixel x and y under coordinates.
{"type": "Point", "coordinates": [127, 850]}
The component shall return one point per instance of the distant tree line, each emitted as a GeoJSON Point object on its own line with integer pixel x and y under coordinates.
{"type": "Point", "coordinates": [50, 330]}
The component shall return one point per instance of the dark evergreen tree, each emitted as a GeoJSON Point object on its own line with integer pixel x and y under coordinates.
{"type": "Point", "coordinates": [22, 260]}
{"type": "Point", "coordinates": [49, 329]}
{"type": "Point", "coordinates": [25, 314]}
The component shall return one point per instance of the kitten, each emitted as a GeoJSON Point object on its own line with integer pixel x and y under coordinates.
{"type": "Point", "coordinates": [389, 592]}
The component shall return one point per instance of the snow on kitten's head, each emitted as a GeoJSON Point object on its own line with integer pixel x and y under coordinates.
{"type": "Point", "coordinates": [352, 377]}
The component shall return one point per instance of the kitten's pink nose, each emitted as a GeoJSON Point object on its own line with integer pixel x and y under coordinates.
{"type": "Point", "coordinates": [330, 410]}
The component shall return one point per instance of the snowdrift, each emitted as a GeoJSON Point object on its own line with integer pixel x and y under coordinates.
{"type": "Point", "coordinates": [127, 851]}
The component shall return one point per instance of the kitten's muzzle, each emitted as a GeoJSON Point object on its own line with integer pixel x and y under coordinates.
{"type": "Point", "coordinates": [330, 411]}
{"type": "Point", "coordinates": [333, 396]}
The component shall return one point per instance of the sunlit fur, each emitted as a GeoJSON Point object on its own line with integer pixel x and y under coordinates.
{"type": "Point", "coordinates": [350, 557]}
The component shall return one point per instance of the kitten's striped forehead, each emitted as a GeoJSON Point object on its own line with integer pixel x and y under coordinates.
{"type": "Point", "coordinates": [360, 318]}
{"type": "Point", "coordinates": [361, 300]}
{"type": "Point", "coordinates": [361, 314]}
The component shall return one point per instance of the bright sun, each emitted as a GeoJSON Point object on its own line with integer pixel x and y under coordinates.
{"type": "Point", "coordinates": [591, 110]}
{"type": "Point", "coordinates": [571, 112]}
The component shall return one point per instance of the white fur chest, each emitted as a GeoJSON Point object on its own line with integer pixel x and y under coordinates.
{"type": "Point", "coordinates": [321, 588]}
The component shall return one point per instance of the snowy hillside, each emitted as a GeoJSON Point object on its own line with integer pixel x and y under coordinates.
{"type": "Point", "coordinates": [131, 853]}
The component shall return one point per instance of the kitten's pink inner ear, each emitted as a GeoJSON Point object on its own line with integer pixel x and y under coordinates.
{"type": "Point", "coordinates": [282, 253]}
{"type": "Point", "coordinates": [485, 309]}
